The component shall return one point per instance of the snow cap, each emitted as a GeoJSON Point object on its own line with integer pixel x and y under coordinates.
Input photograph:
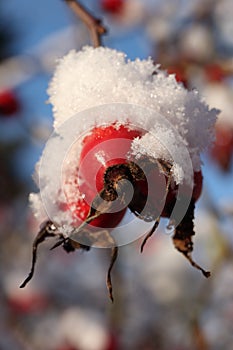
{"type": "Point", "coordinates": [173, 117]}
{"type": "Point", "coordinates": [96, 76]}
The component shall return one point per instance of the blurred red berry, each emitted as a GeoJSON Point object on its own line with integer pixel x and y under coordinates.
{"type": "Point", "coordinates": [214, 73]}
{"type": "Point", "coordinates": [9, 104]}
{"type": "Point", "coordinates": [112, 6]}
{"type": "Point", "coordinates": [223, 147]}
{"type": "Point", "coordinates": [66, 347]}
{"type": "Point", "coordinates": [31, 303]}
{"type": "Point", "coordinates": [113, 343]}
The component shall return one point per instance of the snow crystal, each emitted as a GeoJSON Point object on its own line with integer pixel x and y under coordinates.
{"type": "Point", "coordinates": [138, 92]}
{"type": "Point", "coordinates": [94, 77]}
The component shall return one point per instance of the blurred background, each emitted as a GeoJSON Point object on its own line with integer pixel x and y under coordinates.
{"type": "Point", "coordinates": [160, 301]}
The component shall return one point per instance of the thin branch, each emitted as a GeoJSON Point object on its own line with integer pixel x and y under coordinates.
{"type": "Point", "coordinates": [95, 26]}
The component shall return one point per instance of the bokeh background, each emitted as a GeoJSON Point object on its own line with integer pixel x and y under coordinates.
{"type": "Point", "coordinates": [160, 301]}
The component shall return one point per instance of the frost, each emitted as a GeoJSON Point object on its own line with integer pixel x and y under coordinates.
{"type": "Point", "coordinates": [173, 117]}
{"type": "Point", "coordinates": [37, 207]}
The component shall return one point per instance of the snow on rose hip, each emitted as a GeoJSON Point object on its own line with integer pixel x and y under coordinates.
{"type": "Point", "coordinates": [139, 139]}
{"type": "Point", "coordinates": [9, 103]}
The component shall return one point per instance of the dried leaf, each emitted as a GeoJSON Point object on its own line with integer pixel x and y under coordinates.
{"type": "Point", "coordinates": [182, 238]}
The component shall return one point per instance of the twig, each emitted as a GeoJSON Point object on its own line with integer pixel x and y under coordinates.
{"type": "Point", "coordinates": [94, 24]}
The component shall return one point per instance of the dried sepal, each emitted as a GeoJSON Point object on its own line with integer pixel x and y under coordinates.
{"type": "Point", "coordinates": [47, 229]}
{"type": "Point", "coordinates": [182, 238]}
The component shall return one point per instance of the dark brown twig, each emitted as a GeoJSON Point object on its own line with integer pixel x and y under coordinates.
{"type": "Point", "coordinates": [94, 25]}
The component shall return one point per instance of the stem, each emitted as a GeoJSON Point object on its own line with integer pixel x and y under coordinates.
{"type": "Point", "coordinates": [94, 25]}
{"type": "Point", "coordinates": [109, 279]}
